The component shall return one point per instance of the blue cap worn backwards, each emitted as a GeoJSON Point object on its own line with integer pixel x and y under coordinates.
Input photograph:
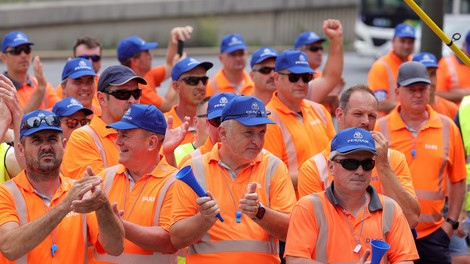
{"type": "Point", "coordinates": [426, 58]}
{"type": "Point", "coordinates": [231, 43]}
{"type": "Point", "coordinates": [248, 110]}
{"type": "Point", "coordinates": [262, 54]}
{"type": "Point", "coordinates": [37, 121]}
{"type": "Point", "coordinates": [143, 116]}
{"type": "Point", "coordinates": [216, 103]}
{"type": "Point", "coordinates": [306, 38]}
{"type": "Point", "coordinates": [351, 140]}
{"type": "Point", "coordinates": [186, 65]}
{"type": "Point", "coordinates": [117, 75]}
{"type": "Point", "coordinates": [130, 46]}
{"type": "Point", "coordinates": [404, 30]}
{"type": "Point", "coordinates": [76, 68]}
{"type": "Point", "coordinates": [69, 106]}
{"type": "Point", "coordinates": [293, 61]}
{"type": "Point", "coordinates": [14, 39]}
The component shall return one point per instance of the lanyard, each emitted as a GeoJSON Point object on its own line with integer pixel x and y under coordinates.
{"type": "Point", "coordinates": [357, 239]}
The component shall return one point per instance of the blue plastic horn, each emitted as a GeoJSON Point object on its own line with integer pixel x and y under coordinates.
{"type": "Point", "coordinates": [379, 248]}
{"type": "Point", "coordinates": [187, 176]}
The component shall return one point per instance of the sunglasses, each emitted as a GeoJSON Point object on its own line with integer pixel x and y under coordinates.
{"type": "Point", "coordinates": [264, 70]}
{"type": "Point", "coordinates": [193, 81]}
{"type": "Point", "coordinates": [35, 121]}
{"type": "Point", "coordinates": [353, 164]}
{"type": "Point", "coordinates": [125, 94]}
{"type": "Point", "coordinates": [215, 122]}
{"type": "Point", "coordinates": [315, 48]}
{"type": "Point", "coordinates": [73, 122]}
{"type": "Point", "coordinates": [294, 77]}
{"type": "Point", "coordinates": [17, 50]}
{"type": "Point", "coordinates": [94, 58]}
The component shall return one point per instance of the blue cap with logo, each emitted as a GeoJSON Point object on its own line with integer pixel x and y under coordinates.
{"type": "Point", "coordinates": [216, 103]}
{"type": "Point", "coordinates": [69, 106]}
{"type": "Point", "coordinates": [144, 116]}
{"type": "Point", "coordinates": [186, 65]}
{"type": "Point", "coordinates": [306, 38]}
{"type": "Point", "coordinates": [426, 58]}
{"type": "Point", "coordinates": [231, 43]}
{"type": "Point", "coordinates": [130, 46]}
{"type": "Point", "coordinates": [39, 120]}
{"type": "Point", "coordinates": [117, 75]}
{"type": "Point", "coordinates": [263, 54]}
{"type": "Point", "coordinates": [248, 110]}
{"type": "Point", "coordinates": [76, 68]}
{"type": "Point", "coordinates": [351, 140]}
{"type": "Point", "coordinates": [14, 39]}
{"type": "Point", "coordinates": [404, 30]}
{"type": "Point", "coordinates": [293, 61]}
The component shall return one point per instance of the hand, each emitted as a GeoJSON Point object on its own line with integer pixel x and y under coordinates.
{"type": "Point", "coordinates": [447, 227]}
{"type": "Point", "coordinates": [180, 33]}
{"type": "Point", "coordinates": [5, 115]}
{"type": "Point", "coordinates": [39, 73]}
{"type": "Point", "coordinates": [249, 204]}
{"type": "Point", "coordinates": [381, 145]}
{"type": "Point", "coordinates": [333, 29]}
{"type": "Point", "coordinates": [174, 136]}
{"type": "Point", "coordinates": [208, 207]}
{"type": "Point", "coordinates": [93, 199]}
{"type": "Point", "coordinates": [10, 97]}
{"type": "Point", "coordinates": [116, 211]}
{"type": "Point", "coordinates": [364, 257]}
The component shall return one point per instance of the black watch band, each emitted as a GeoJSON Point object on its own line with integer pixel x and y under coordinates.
{"type": "Point", "coordinates": [261, 211]}
{"type": "Point", "coordinates": [454, 224]}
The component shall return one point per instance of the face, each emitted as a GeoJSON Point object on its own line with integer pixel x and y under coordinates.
{"type": "Point", "coordinates": [432, 77]}
{"type": "Point", "coordinates": [234, 61]}
{"type": "Point", "coordinates": [143, 63]}
{"type": "Point", "coordinates": [314, 53]}
{"type": "Point", "coordinates": [83, 50]}
{"type": "Point", "coordinates": [288, 91]}
{"type": "Point", "coordinates": [413, 99]}
{"type": "Point", "coordinates": [350, 181]}
{"type": "Point", "coordinates": [135, 144]}
{"type": "Point", "coordinates": [213, 132]}
{"type": "Point", "coordinates": [113, 108]}
{"type": "Point", "coordinates": [82, 89]}
{"type": "Point", "coordinates": [264, 81]}
{"type": "Point", "coordinates": [17, 63]}
{"type": "Point", "coordinates": [243, 142]}
{"type": "Point", "coordinates": [189, 94]}
{"type": "Point", "coordinates": [66, 130]}
{"type": "Point", "coordinates": [200, 123]}
{"type": "Point", "coordinates": [361, 111]}
{"type": "Point", "coordinates": [403, 47]}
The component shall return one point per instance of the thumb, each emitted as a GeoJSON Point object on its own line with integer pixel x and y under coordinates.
{"type": "Point", "coordinates": [252, 187]}
{"type": "Point", "coordinates": [365, 256]}
{"type": "Point", "coordinates": [89, 172]}
{"type": "Point", "coordinates": [169, 122]}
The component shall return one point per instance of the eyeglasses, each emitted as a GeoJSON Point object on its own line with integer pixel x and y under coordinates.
{"type": "Point", "coordinates": [264, 70]}
{"type": "Point", "coordinates": [294, 77]}
{"type": "Point", "coordinates": [73, 122]}
{"type": "Point", "coordinates": [215, 122]}
{"type": "Point", "coordinates": [353, 164]}
{"type": "Point", "coordinates": [35, 121]}
{"type": "Point", "coordinates": [250, 114]}
{"type": "Point", "coordinates": [193, 81]}
{"type": "Point", "coordinates": [125, 94]}
{"type": "Point", "coordinates": [94, 58]}
{"type": "Point", "coordinates": [201, 116]}
{"type": "Point", "coordinates": [315, 48]}
{"type": "Point", "coordinates": [17, 50]}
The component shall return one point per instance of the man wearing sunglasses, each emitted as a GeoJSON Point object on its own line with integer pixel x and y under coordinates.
{"type": "Point", "coordinates": [72, 115]}
{"type": "Point", "coordinates": [262, 73]}
{"type": "Point", "coordinates": [338, 225]}
{"type": "Point", "coordinates": [34, 92]}
{"type": "Point", "coordinates": [95, 145]}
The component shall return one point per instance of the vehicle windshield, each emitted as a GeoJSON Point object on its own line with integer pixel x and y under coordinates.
{"type": "Point", "coordinates": [386, 13]}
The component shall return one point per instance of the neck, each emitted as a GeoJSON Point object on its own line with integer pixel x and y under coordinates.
{"type": "Point", "coordinates": [107, 118]}
{"type": "Point", "coordinates": [352, 203]}
{"type": "Point", "coordinates": [403, 59]}
{"type": "Point", "coordinates": [235, 163]}
{"type": "Point", "coordinates": [263, 95]}
{"type": "Point", "coordinates": [234, 77]}
{"type": "Point", "coordinates": [432, 97]}
{"type": "Point", "coordinates": [46, 184]}
{"type": "Point", "coordinates": [18, 76]}
{"type": "Point", "coordinates": [147, 168]}
{"type": "Point", "coordinates": [292, 105]}
{"type": "Point", "coordinates": [199, 141]}
{"type": "Point", "coordinates": [414, 120]}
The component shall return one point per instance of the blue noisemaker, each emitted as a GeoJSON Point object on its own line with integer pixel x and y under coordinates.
{"type": "Point", "coordinates": [413, 153]}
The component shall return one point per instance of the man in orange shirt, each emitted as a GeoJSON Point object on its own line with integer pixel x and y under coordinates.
{"type": "Point", "coordinates": [339, 224]}
{"type": "Point", "coordinates": [44, 215]}
{"type": "Point", "coordinates": [33, 92]}
{"type": "Point", "coordinates": [72, 115]}
{"type": "Point", "coordinates": [249, 187]}
{"type": "Point", "coordinates": [433, 148]}
{"type": "Point", "coordinates": [232, 77]}
{"type": "Point", "coordinates": [262, 73]}
{"type": "Point", "coordinates": [383, 73]}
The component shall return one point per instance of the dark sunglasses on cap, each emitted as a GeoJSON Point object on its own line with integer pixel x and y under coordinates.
{"type": "Point", "coordinates": [73, 122]}
{"type": "Point", "coordinates": [94, 58]}
{"type": "Point", "coordinates": [215, 122]}
{"type": "Point", "coordinates": [264, 70]}
{"type": "Point", "coordinates": [315, 48]}
{"type": "Point", "coordinates": [294, 77]}
{"type": "Point", "coordinates": [193, 81]}
{"type": "Point", "coordinates": [35, 121]}
{"type": "Point", "coordinates": [353, 164]}
{"type": "Point", "coordinates": [125, 94]}
{"type": "Point", "coordinates": [250, 114]}
{"type": "Point", "coordinates": [17, 50]}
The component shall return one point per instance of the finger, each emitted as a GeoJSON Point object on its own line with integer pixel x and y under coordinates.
{"type": "Point", "coordinates": [169, 122]}
{"type": "Point", "coordinates": [89, 171]}
{"type": "Point", "coordinates": [365, 256]}
{"type": "Point", "coordinates": [252, 187]}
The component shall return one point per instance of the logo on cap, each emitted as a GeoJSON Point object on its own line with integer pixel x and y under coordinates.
{"type": "Point", "coordinates": [357, 134]}
{"type": "Point", "coordinates": [192, 61]}
{"type": "Point", "coordinates": [223, 100]}
{"type": "Point", "coordinates": [74, 102]}
{"type": "Point", "coordinates": [254, 106]}
{"type": "Point", "coordinates": [20, 37]}
{"type": "Point", "coordinates": [426, 58]}
{"type": "Point", "coordinates": [358, 137]}
{"type": "Point", "coordinates": [301, 60]}
{"type": "Point", "coordinates": [234, 41]}
{"type": "Point", "coordinates": [267, 52]}
{"type": "Point", "coordinates": [128, 115]}
{"type": "Point", "coordinates": [82, 65]}
{"type": "Point", "coordinates": [312, 36]}
{"type": "Point", "coordinates": [408, 29]}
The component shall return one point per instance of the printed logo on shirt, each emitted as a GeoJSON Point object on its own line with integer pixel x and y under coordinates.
{"type": "Point", "coordinates": [148, 199]}
{"type": "Point", "coordinates": [430, 146]}
{"type": "Point", "coordinates": [70, 214]}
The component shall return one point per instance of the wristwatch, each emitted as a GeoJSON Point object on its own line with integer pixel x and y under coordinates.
{"type": "Point", "coordinates": [261, 211]}
{"type": "Point", "coordinates": [454, 224]}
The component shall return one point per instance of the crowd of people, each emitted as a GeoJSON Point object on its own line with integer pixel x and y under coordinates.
{"type": "Point", "coordinates": [88, 168]}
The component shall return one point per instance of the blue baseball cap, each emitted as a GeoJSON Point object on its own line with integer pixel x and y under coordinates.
{"type": "Point", "coordinates": [306, 38]}
{"type": "Point", "coordinates": [69, 106]}
{"type": "Point", "coordinates": [426, 58]}
{"type": "Point", "coordinates": [117, 75]}
{"type": "Point", "coordinates": [405, 30]}
{"type": "Point", "coordinates": [216, 103]}
{"type": "Point", "coordinates": [40, 120]}
{"type": "Point", "coordinates": [76, 68]}
{"type": "Point", "coordinates": [293, 61]}
{"type": "Point", "coordinates": [467, 42]}
{"type": "Point", "coordinates": [351, 140]}
{"type": "Point", "coordinates": [248, 110]}
{"type": "Point", "coordinates": [145, 116]}
{"type": "Point", "coordinates": [263, 54]}
{"type": "Point", "coordinates": [186, 65]}
{"type": "Point", "coordinates": [231, 43]}
{"type": "Point", "coordinates": [14, 39]}
{"type": "Point", "coordinates": [130, 46]}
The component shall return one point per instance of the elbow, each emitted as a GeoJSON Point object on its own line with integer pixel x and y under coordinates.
{"type": "Point", "coordinates": [9, 253]}
{"type": "Point", "coordinates": [115, 250]}
{"type": "Point", "coordinates": [413, 221]}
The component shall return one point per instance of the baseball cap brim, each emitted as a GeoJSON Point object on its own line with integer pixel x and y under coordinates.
{"type": "Point", "coordinates": [261, 59]}
{"type": "Point", "coordinates": [254, 121]}
{"type": "Point", "coordinates": [75, 110]}
{"type": "Point", "coordinates": [235, 47]}
{"type": "Point", "coordinates": [414, 81]}
{"type": "Point", "coordinates": [122, 126]}
{"type": "Point", "coordinates": [406, 35]}
{"type": "Point", "coordinates": [300, 69]}
{"type": "Point", "coordinates": [40, 128]}
{"type": "Point", "coordinates": [149, 46]}
{"type": "Point", "coordinates": [19, 43]}
{"type": "Point", "coordinates": [79, 74]}
{"type": "Point", "coordinates": [215, 114]}
{"type": "Point", "coordinates": [350, 149]}
{"type": "Point", "coordinates": [126, 79]}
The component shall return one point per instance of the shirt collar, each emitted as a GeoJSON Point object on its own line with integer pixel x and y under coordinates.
{"type": "Point", "coordinates": [374, 203]}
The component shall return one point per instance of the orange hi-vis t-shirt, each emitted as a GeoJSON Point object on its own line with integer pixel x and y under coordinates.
{"type": "Point", "coordinates": [315, 177]}
{"type": "Point", "coordinates": [207, 147]}
{"type": "Point", "coordinates": [190, 136]}
{"type": "Point", "coordinates": [319, 229]}
{"type": "Point", "coordinates": [219, 84]}
{"type": "Point", "coordinates": [83, 150]}
{"type": "Point", "coordinates": [95, 104]}
{"type": "Point", "coordinates": [434, 156]}
{"type": "Point", "coordinates": [139, 203]}
{"type": "Point", "coordinates": [69, 233]}
{"type": "Point", "coordinates": [26, 91]}
{"type": "Point", "coordinates": [445, 107]}
{"type": "Point", "coordinates": [154, 79]}
{"type": "Point", "coordinates": [248, 240]}
{"type": "Point", "coordinates": [452, 74]}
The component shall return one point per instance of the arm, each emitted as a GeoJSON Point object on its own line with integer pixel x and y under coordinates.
{"type": "Point", "coordinates": [177, 33]}
{"type": "Point", "coordinates": [170, 99]}
{"type": "Point", "coordinates": [454, 94]}
{"type": "Point", "coordinates": [40, 91]}
{"type": "Point", "coordinates": [173, 138]}
{"type": "Point", "coordinates": [456, 199]}
{"type": "Point", "coordinates": [153, 238]}
{"type": "Point", "coordinates": [387, 105]}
